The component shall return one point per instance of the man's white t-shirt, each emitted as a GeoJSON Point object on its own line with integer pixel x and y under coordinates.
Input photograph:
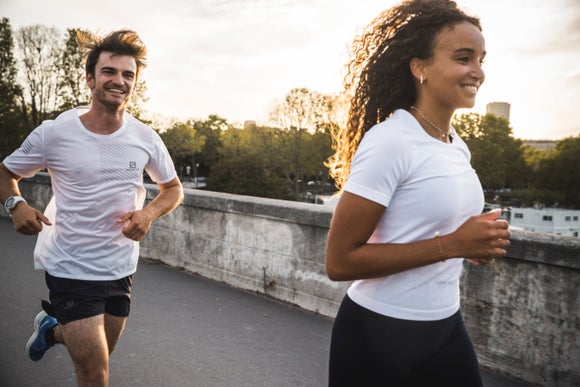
{"type": "Point", "coordinates": [96, 179]}
{"type": "Point", "coordinates": [427, 186]}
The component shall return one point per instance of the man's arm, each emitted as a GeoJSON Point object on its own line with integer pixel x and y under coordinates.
{"type": "Point", "coordinates": [139, 222]}
{"type": "Point", "coordinates": [26, 220]}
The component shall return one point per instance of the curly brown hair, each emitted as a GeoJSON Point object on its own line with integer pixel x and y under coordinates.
{"type": "Point", "coordinates": [122, 42]}
{"type": "Point", "coordinates": [378, 79]}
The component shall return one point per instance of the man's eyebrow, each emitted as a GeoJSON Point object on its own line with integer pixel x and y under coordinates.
{"type": "Point", "coordinates": [114, 69]}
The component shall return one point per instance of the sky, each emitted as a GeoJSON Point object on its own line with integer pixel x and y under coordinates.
{"type": "Point", "coordinates": [236, 58]}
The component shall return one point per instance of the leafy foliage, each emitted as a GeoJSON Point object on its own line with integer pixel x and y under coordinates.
{"type": "Point", "coordinates": [182, 142]}
{"type": "Point", "coordinates": [12, 128]}
{"type": "Point", "coordinates": [39, 49]}
{"type": "Point", "coordinates": [243, 168]}
{"type": "Point", "coordinates": [73, 89]}
{"type": "Point", "coordinates": [517, 174]}
{"type": "Point", "coordinates": [558, 173]}
{"type": "Point", "coordinates": [305, 115]}
{"type": "Point", "coordinates": [495, 153]}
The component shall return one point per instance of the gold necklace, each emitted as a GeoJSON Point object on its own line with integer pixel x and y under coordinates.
{"type": "Point", "coordinates": [443, 133]}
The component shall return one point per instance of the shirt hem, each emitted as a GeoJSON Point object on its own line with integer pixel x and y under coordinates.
{"type": "Point", "coordinates": [86, 277]}
{"type": "Point", "coordinates": [402, 313]}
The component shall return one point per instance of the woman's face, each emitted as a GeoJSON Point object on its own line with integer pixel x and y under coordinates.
{"type": "Point", "coordinates": [454, 73]}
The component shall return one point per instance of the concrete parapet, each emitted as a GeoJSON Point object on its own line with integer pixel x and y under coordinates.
{"type": "Point", "coordinates": [523, 312]}
{"type": "Point", "coordinates": [269, 246]}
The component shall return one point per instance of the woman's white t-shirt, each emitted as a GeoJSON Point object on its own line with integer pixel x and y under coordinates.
{"type": "Point", "coordinates": [427, 186]}
{"type": "Point", "coordinates": [96, 179]}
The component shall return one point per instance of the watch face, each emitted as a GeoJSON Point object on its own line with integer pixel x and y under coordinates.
{"type": "Point", "coordinates": [9, 203]}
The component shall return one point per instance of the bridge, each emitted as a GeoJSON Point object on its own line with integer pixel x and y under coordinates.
{"type": "Point", "coordinates": [183, 331]}
{"type": "Point", "coordinates": [231, 291]}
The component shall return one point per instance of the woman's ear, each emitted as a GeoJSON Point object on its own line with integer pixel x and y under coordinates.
{"type": "Point", "coordinates": [417, 69]}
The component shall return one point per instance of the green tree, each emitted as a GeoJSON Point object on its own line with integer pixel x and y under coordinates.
{"type": "Point", "coordinates": [302, 109]}
{"type": "Point", "coordinates": [136, 107]}
{"type": "Point", "coordinates": [212, 129]}
{"type": "Point", "coordinates": [72, 88]}
{"type": "Point", "coordinates": [558, 172]}
{"type": "Point", "coordinates": [301, 113]}
{"type": "Point", "coordinates": [319, 150]}
{"type": "Point", "coordinates": [496, 155]}
{"type": "Point", "coordinates": [534, 157]}
{"type": "Point", "coordinates": [468, 126]}
{"type": "Point", "coordinates": [39, 49]}
{"type": "Point", "coordinates": [182, 142]}
{"type": "Point", "coordinates": [247, 164]}
{"type": "Point", "coordinates": [12, 131]}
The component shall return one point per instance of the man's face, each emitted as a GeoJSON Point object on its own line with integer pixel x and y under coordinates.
{"type": "Point", "coordinates": [114, 80]}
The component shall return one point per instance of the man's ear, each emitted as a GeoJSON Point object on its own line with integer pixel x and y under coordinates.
{"type": "Point", "coordinates": [90, 81]}
{"type": "Point", "coordinates": [135, 83]}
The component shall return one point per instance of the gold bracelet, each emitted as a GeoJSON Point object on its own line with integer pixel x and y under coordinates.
{"type": "Point", "coordinates": [439, 246]}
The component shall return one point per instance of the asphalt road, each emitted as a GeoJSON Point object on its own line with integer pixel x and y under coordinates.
{"type": "Point", "coordinates": [184, 330]}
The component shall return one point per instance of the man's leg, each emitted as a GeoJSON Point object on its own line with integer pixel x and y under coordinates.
{"type": "Point", "coordinates": [90, 342]}
{"type": "Point", "coordinates": [87, 345]}
{"type": "Point", "coordinates": [113, 329]}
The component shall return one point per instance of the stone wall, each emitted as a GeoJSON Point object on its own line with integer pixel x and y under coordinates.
{"type": "Point", "coordinates": [523, 312]}
{"type": "Point", "coordinates": [268, 246]}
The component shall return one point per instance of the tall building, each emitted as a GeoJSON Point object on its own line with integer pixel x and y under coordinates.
{"type": "Point", "coordinates": [249, 124]}
{"type": "Point", "coordinates": [499, 109]}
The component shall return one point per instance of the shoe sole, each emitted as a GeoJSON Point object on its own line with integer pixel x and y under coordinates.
{"type": "Point", "coordinates": [37, 320]}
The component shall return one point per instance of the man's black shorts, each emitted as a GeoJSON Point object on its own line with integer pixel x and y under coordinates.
{"type": "Point", "coordinates": [78, 299]}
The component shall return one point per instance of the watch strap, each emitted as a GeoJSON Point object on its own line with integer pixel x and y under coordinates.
{"type": "Point", "coordinates": [11, 203]}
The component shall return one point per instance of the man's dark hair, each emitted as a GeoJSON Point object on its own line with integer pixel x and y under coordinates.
{"type": "Point", "coordinates": [122, 42]}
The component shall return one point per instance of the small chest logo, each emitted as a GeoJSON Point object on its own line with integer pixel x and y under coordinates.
{"type": "Point", "coordinates": [132, 165]}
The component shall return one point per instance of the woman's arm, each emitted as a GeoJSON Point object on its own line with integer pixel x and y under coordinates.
{"type": "Point", "coordinates": [350, 257]}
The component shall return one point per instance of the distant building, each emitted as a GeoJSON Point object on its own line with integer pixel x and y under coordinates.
{"type": "Point", "coordinates": [546, 220]}
{"type": "Point", "coordinates": [250, 124]}
{"type": "Point", "coordinates": [499, 109]}
{"type": "Point", "coordinates": [540, 144]}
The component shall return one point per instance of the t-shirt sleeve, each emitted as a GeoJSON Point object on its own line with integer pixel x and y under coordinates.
{"type": "Point", "coordinates": [160, 167]}
{"type": "Point", "coordinates": [378, 166]}
{"type": "Point", "coordinates": [27, 160]}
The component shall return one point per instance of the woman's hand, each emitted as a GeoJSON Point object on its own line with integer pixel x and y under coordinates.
{"type": "Point", "coordinates": [480, 239]}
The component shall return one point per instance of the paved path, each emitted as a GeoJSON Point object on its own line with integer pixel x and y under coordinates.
{"type": "Point", "coordinates": [184, 331]}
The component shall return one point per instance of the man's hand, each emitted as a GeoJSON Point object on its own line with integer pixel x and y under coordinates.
{"type": "Point", "coordinates": [137, 224]}
{"type": "Point", "coordinates": [28, 220]}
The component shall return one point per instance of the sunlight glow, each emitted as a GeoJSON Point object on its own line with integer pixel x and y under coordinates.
{"type": "Point", "coordinates": [233, 58]}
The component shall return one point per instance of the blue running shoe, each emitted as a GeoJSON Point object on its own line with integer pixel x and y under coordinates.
{"type": "Point", "coordinates": [37, 346]}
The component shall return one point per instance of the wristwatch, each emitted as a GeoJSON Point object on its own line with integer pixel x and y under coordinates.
{"type": "Point", "coordinates": [12, 202]}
